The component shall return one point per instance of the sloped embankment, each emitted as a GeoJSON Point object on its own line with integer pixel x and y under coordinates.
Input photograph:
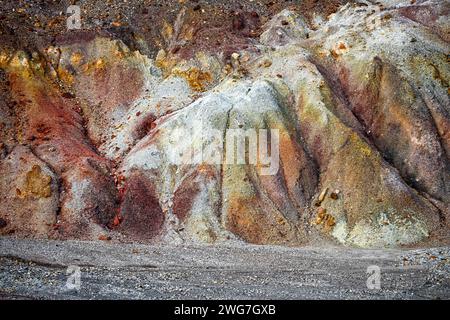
{"type": "Point", "coordinates": [359, 100]}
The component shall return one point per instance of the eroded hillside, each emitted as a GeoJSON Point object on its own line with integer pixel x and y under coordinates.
{"type": "Point", "coordinates": [357, 92]}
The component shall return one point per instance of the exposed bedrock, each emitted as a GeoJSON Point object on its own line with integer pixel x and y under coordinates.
{"type": "Point", "coordinates": [207, 198]}
{"type": "Point", "coordinates": [51, 128]}
{"type": "Point", "coordinates": [326, 129]}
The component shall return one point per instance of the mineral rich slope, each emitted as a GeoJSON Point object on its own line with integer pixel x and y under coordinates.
{"type": "Point", "coordinates": [124, 133]}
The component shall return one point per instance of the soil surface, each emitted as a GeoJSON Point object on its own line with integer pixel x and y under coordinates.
{"type": "Point", "coordinates": [36, 269]}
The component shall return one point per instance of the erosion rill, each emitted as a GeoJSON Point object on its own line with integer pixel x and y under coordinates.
{"type": "Point", "coordinates": [353, 97]}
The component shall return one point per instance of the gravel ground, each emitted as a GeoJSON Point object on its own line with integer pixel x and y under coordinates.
{"type": "Point", "coordinates": [36, 269]}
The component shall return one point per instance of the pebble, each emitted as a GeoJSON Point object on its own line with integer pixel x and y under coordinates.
{"type": "Point", "coordinates": [323, 194]}
{"type": "Point", "coordinates": [267, 63]}
{"type": "Point", "coordinates": [335, 194]}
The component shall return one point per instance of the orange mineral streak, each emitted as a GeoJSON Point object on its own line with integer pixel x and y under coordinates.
{"type": "Point", "coordinates": [290, 159]}
{"type": "Point", "coordinates": [242, 220]}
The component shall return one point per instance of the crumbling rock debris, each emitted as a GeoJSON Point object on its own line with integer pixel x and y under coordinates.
{"type": "Point", "coordinates": [93, 122]}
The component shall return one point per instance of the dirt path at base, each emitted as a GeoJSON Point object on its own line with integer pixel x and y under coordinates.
{"type": "Point", "coordinates": [37, 269]}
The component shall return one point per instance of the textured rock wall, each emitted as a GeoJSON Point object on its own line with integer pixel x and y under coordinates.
{"type": "Point", "coordinates": [358, 94]}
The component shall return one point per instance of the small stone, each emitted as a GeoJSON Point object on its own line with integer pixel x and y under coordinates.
{"type": "Point", "coordinates": [330, 221]}
{"type": "Point", "coordinates": [320, 215]}
{"type": "Point", "coordinates": [228, 69]}
{"type": "Point", "coordinates": [3, 223]}
{"type": "Point", "coordinates": [104, 237]}
{"type": "Point", "coordinates": [335, 194]}
{"type": "Point", "coordinates": [323, 194]}
{"type": "Point", "coordinates": [267, 63]}
{"type": "Point", "coordinates": [235, 56]}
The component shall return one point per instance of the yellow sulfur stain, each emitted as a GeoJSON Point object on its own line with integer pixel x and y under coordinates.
{"type": "Point", "coordinates": [65, 76]}
{"type": "Point", "coordinates": [197, 79]}
{"type": "Point", "coordinates": [36, 183]}
{"type": "Point", "coordinates": [361, 145]}
{"type": "Point", "coordinates": [76, 58]}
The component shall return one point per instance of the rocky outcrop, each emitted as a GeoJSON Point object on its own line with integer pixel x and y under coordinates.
{"type": "Point", "coordinates": [324, 129]}
{"type": "Point", "coordinates": [51, 126]}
